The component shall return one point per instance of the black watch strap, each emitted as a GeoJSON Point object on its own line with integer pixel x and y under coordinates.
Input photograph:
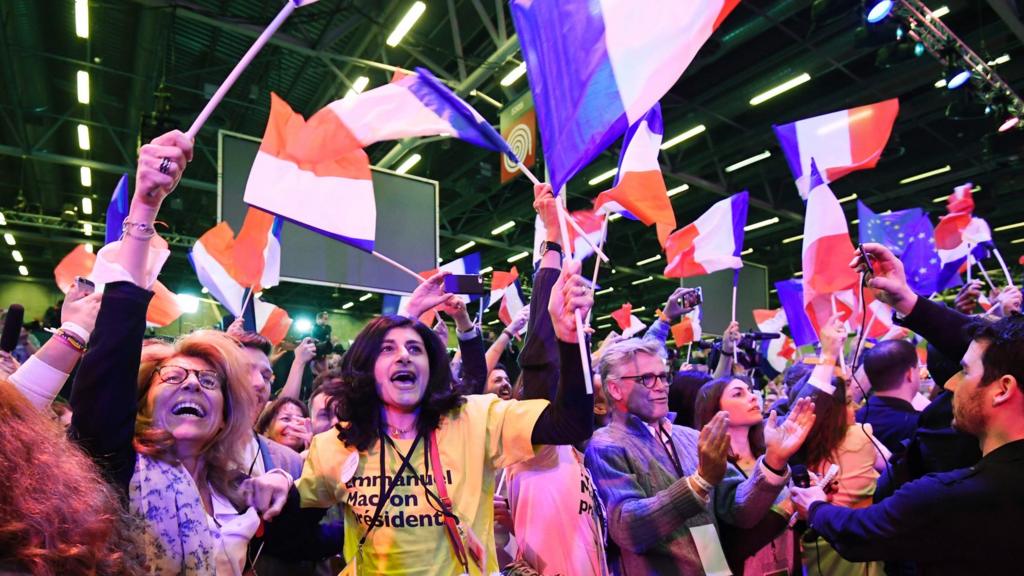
{"type": "Point", "coordinates": [548, 245]}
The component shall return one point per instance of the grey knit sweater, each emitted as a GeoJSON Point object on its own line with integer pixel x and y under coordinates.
{"type": "Point", "coordinates": [651, 509]}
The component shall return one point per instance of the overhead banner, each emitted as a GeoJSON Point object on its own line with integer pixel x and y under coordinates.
{"type": "Point", "coordinates": [519, 128]}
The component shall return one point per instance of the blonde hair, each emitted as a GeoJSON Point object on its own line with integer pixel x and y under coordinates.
{"type": "Point", "coordinates": [222, 454]}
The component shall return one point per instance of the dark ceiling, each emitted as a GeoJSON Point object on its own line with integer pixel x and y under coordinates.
{"type": "Point", "coordinates": [154, 63]}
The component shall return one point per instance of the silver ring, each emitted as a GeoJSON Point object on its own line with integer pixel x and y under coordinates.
{"type": "Point", "coordinates": [165, 165]}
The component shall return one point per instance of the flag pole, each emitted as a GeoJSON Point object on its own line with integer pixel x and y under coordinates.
{"type": "Point", "coordinates": [597, 266]}
{"type": "Point", "coordinates": [970, 257]}
{"type": "Point", "coordinates": [248, 297]}
{"type": "Point", "coordinates": [984, 275]}
{"type": "Point", "coordinates": [580, 338]}
{"type": "Point", "coordinates": [689, 347]}
{"type": "Point", "coordinates": [402, 267]}
{"type": "Point", "coordinates": [1002, 264]}
{"type": "Point", "coordinates": [575, 226]}
{"type": "Point", "coordinates": [842, 349]}
{"type": "Point", "coordinates": [735, 281]}
{"type": "Point", "coordinates": [222, 91]}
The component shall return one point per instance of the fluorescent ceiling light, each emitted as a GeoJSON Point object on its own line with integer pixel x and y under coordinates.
{"type": "Point", "coordinates": [761, 224]}
{"type": "Point", "coordinates": [1001, 60]}
{"type": "Point", "coordinates": [188, 303]}
{"type": "Point", "coordinates": [86, 205]}
{"type": "Point", "coordinates": [493, 322]}
{"type": "Point", "coordinates": [602, 177]}
{"type": "Point", "coordinates": [506, 226]}
{"type": "Point", "coordinates": [205, 290]}
{"type": "Point", "coordinates": [974, 190]}
{"type": "Point", "coordinates": [640, 309]}
{"type": "Point", "coordinates": [654, 258]}
{"type": "Point", "coordinates": [747, 251]}
{"type": "Point", "coordinates": [605, 317]}
{"type": "Point", "coordinates": [748, 161]}
{"type": "Point", "coordinates": [1008, 227]}
{"type": "Point", "coordinates": [82, 81]}
{"type": "Point", "coordinates": [82, 18]}
{"type": "Point", "coordinates": [642, 280]}
{"type": "Point", "coordinates": [792, 238]}
{"type": "Point", "coordinates": [928, 174]}
{"type": "Point", "coordinates": [938, 13]}
{"type": "Point", "coordinates": [23, 270]}
{"type": "Point", "coordinates": [16, 254]}
{"type": "Point", "coordinates": [855, 222]}
{"type": "Point", "coordinates": [605, 291]}
{"type": "Point", "coordinates": [603, 326]}
{"type": "Point", "coordinates": [406, 23]}
{"type": "Point", "coordinates": [3, 219]}
{"type": "Point", "coordinates": [846, 199]}
{"type": "Point", "coordinates": [517, 257]}
{"type": "Point", "coordinates": [785, 86]}
{"type": "Point", "coordinates": [940, 83]}
{"type": "Point", "coordinates": [513, 75]}
{"type": "Point", "coordinates": [698, 129]}
{"type": "Point", "coordinates": [83, 137]}
{"type": "Point", "coordinates": [86, 174]}
{"type": "Point", "coordinates": [88, 248]}
{"type": "Point", "coordinates": [348, 305]}
{"type": "Point", "coordinates": [487, 270]}
{"type": "Point", "coordinates": [1017, 241]}
{"type": "Point", "coordinates": [465, 247]}
{"type": "Point", "coordinates": [614, 216]}
{"type": "Point", "coordinates": [678, 190]}
{"type": "Point", "coordinates": [409, 163]}
{"type": "Point", "coordinates": [9, 238]}
{"type": "Point", "coordinates": [365, 297]}
{"type": "Point", "coordinates": [358, 86]}
{"type": "Point", "coordinates": [87, 228]}
{"type": "Point", "coordinates": [798, 274]}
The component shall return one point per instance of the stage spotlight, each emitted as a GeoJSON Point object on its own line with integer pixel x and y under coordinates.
{"type": "Point", "coordinates": [879, 11]}
{"type": "Point", "coordinates": [957, 77]}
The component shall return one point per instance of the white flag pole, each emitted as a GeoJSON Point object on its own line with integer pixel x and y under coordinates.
{"type": "Point", "coordinates": [970, 258]}
{"type": "Point", "coordinates": [561, 210]}
{"type": "Point", "coordinates": [397, 265]}
{"type": "Point", "coordinates": [842, 348]}
{"type": "Point", "coordinates": [225, 86]}
{"type": "Point", "coordinates": [1002, 264]}
{"type": "Point", "coordinates": [597, 266]}
{"type": "Point", "coordinates": [984, 274]}
{"type": "Point", "coordinates": [580, 336]}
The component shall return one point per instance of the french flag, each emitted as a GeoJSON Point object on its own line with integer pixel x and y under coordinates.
{"type": "Point", "coordinates": [627, 321]}
{"type": "Point", "coordinates": [163, 308]}
{"type": "Point", "coordinates": [117, 210]}
{"type": "Point", "coordinates": [590, 221]}
{"type": "Point", "coordinates": [597, 66]}
{"type": "Point", "coordinates": [257, 250]}
{"type": "Point", "coordinates": [415, 105]}
{"type": "Point", "coordinates": [212, 257]}
{"type": "Point", "coordinates": [791, 297]}
{"type": "Point", "coordinates": [958, 234]}
{"type": "Point", "coordinates": [827, 252]}
{"type": "Point", "coordinates": [688, 329]}
{"type": "Point", "coordinates": [315, 174]}
{"type": "Point", "coordinates": [713, 242]}
{"type": "Point", "coordinates": [780, 351]}
{"type": "Point", "coordinates": [271, 321]}
{"type": "Point", "coordinates": [511, 302]}
{"type": "Point", "coordinates": [840, 142]}
{"type": "Point", "coordinates": [639, 191]}
{"type": "Point", "coordinates": [499, 282]}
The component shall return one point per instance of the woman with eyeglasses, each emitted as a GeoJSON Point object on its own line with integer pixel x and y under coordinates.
{"type": "Point", "coordinates": [168, 422]}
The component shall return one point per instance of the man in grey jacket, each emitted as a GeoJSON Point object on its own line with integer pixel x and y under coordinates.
{"type": "Point", "coordinates": [665, 487]}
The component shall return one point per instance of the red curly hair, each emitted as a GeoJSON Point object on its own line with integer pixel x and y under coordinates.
{"type": "Point", "coordinates": [57, 514]}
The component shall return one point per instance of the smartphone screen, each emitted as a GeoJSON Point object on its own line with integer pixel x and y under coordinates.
{"type": "Point", "coordinates": [463, 284]}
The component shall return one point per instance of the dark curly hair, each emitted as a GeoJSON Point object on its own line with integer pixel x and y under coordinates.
{"type": "Point", "coordinates": [1005, 340]}
{"type": "Point", "coordinates": [354, 396]}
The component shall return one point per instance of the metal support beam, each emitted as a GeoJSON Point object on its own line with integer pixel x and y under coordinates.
{"type": "Point", "coordinates": [460, 58]}
{"type": "Point", "coordinates": [100, 166]}
{"type": "Point", "coordinates": [486, 20]}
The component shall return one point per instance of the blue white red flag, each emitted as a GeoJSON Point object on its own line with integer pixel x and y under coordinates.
{"type": "Point", "coordinates": [597, 66]}
{"type": "Point", "coordinates": [840, 142]}
{"type": "Point", "coordinates": [117, 210]}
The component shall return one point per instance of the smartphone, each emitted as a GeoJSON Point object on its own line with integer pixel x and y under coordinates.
{"type": "Point", "coordinates": [85, 285]}
{"type": "Point", "coordinates": [464, 284]}
{"type": "Point", "coordinates": [692, 298]}
{"type": "Point", "coordinates": [801, 478]}
{"type": "Point", "coordinates": [867, 260]}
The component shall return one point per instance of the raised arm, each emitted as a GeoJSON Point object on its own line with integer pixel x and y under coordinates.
{"type": "Point", "coordinates": [41, 377]}
{"type": "Point", "coordinates": [304, 354]}
{"type": "Point", "coordinates": [103, 398]}
{"type": "Point", "coordinates": [494, 352]}
{"type": "Point", "coordinates": [570, 417]}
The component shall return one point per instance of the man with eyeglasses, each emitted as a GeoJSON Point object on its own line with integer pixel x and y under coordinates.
{"type": "Point", "coordinates": [665, 487]}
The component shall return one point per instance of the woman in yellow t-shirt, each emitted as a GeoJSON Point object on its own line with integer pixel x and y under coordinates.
{"type": "Point", "coordinates": [408, 507]}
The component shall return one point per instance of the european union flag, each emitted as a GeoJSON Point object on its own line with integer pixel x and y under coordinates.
{"type": "Point", "coordinates": [911, 237]}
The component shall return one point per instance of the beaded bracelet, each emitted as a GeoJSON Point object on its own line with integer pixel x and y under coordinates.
{"type": "Point", "coordinates": [70, 340]}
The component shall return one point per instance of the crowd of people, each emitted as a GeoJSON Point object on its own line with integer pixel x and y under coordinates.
{"type": "Point", "coordinates": [395, 457]}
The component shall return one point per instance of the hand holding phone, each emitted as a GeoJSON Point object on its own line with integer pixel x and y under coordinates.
{"type": "Point", "coordinates": [464, 284]}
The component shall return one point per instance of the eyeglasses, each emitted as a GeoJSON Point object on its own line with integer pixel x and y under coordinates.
{"type": "Point", "coordinates": [648, 380]}
{"type": "Point", "coordinates": [176, 375]}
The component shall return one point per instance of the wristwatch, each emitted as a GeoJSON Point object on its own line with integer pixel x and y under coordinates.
{"type": "Point", "coordinates": [548, 246]}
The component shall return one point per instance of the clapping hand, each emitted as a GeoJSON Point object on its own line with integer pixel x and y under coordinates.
{"type": "Point", "coordinates": [783, 440]}
{"type": "Point", "coordinates": [713, 447]}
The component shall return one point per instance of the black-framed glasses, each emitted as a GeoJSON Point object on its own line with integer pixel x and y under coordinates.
{"type": "Point", "coordinates": [648, 380]}
{"type": "Point", "coordinates": [176, 375]}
